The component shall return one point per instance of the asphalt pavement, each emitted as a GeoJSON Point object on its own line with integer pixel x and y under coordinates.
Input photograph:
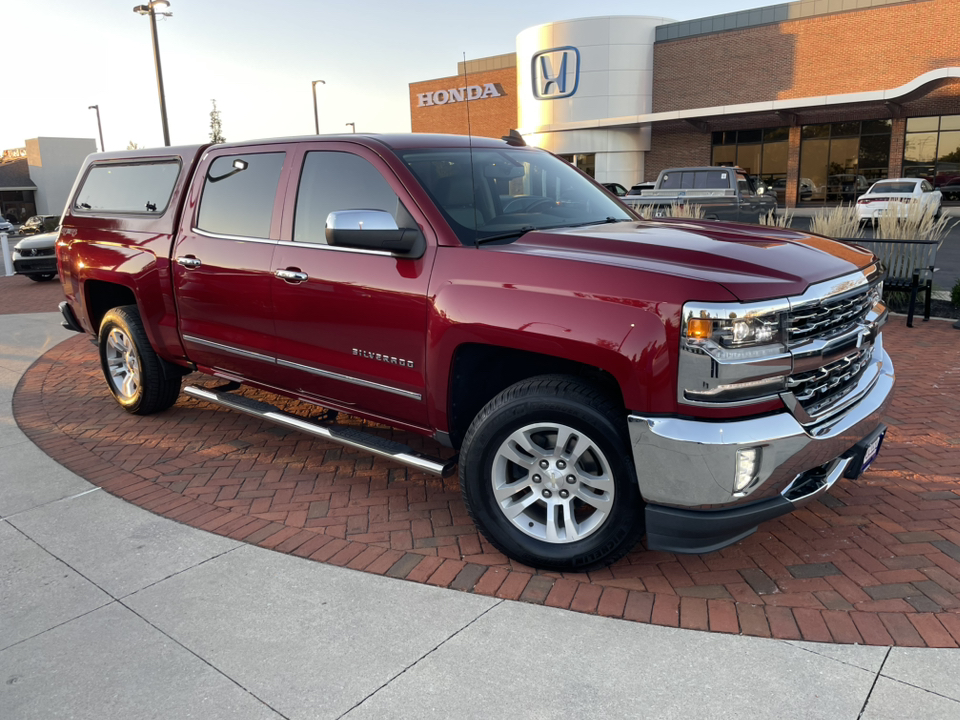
{"type": "Point", "coordinates": [108, 611]}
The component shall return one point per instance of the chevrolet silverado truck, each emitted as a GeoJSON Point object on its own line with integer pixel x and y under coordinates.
{"type": "Point", "coordinates": [722, 193]}
{"type": "Point", "coordinates": [599, 376]}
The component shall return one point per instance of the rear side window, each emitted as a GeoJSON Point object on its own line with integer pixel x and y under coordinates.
{"type": "Point", "coordinates": [239, 193]}
{"type": "Point", "coordinates": [333, 181]}
{"type": "Point", "coordinates": [143, 188]}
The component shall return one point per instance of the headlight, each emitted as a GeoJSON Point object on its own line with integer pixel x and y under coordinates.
{"type": "Point", "coordinates": [733, 326]}
{"type": "Point", "coordinates": [732, 353]}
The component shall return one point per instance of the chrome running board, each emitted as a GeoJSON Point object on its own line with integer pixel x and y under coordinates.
{"type": "Point", "coordinates": [348, 436]}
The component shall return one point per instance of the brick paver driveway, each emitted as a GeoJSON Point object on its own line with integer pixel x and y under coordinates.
{"type": "Point", "coordinates": [877, 561]}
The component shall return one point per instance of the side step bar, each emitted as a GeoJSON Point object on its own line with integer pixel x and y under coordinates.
{"type": "Point", "coordinates": [348, 436]}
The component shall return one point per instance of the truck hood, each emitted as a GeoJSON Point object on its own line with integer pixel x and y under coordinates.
{"type": "Point", "coordinates": [753, 262]}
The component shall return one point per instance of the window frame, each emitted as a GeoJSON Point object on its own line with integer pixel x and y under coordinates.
{"type": "Point", "coordinates": [203, 170]}
{"type": "Point", "coordinates": [397, 175]}
{"type": "Point", "coordinates": [75, 209]}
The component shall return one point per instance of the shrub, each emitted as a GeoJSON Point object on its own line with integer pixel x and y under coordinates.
{"type": "Point", "coordinates": [771, 218]}
{"type": "Point", "coordinates": [955, 294]}
{"type": "Point", "coordinates": [912, 221]}
{"type": "Point", "coordinates": [685, 210]}
{"type": "Point", "coordinates": [838, 222]}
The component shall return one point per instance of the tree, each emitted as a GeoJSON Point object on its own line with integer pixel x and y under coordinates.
{"type": "Point", "coordinates": [132, 146]}
{"type": "Point", "coordinates": [216, 129]}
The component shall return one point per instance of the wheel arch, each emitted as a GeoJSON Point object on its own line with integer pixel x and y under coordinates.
{"type": "Point", "coordinates": [479, 372]}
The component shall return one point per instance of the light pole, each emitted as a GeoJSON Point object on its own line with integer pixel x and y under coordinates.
{"type": "Point", "coordinates": [151, 10]}
{"type": "Point", "coordinates": [352, 125]}
{"type": "Point", "coordinates": [316, 118]}
{"type": "Point", "coordinates": [99, 126]}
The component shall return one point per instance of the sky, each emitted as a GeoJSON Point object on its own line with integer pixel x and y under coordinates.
{"type": "Point", "coordinates": [257, 60]}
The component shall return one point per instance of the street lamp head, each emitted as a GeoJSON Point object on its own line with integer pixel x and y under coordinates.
{"type": "Point", "coordinates": [151, 7]}
{"type": "Point", "coordinates": [93, 107]}
{"type": "Point", "coordinates": [322, 82]}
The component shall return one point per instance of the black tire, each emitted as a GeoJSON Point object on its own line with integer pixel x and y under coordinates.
{"type": "Point", "coordinates": [154, 384]}
{"type": "Point", "coordinates": [41, 277]}
{"type": "Point", "coordinates": [573, 405]}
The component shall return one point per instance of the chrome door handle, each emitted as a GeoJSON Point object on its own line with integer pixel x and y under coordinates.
{"type": "Point", "coordinates": [292, 275]}
{"type": "Point", "coordinates": [189, 262]}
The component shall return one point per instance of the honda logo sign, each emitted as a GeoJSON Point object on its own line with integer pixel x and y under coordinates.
{"type": "Point", "coordinates": [556, 73]}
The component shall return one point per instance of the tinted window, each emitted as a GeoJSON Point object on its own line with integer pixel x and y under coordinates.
{"type": "Point", "coordinates": [238, 194]}
{"type": "Point", "coordinates": [333, 181]}
{"type": "Point", "coordinates": [142, 188]}
{"type": "Point", "coordinates": [712, 180]}
{"type": "Point", "coordinates": [893, 187]}
{"type": "Point", "coordinates": [670, 181]}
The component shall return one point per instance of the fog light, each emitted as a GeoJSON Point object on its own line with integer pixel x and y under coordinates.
{"type": "Point", "coordinates": [748, 465]}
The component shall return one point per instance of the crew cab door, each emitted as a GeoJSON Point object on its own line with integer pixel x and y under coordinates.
{"type": "Point", "coordinates": [350, 323]}
{"type": "Point", "coordinates": [222, 261]}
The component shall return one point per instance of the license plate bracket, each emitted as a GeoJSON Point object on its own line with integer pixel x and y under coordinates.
{"type": "Point", "coordinates": [865, 452]}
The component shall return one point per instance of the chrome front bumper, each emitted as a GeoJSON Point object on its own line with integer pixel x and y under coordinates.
{"type": "Point", "coordinates": [687, 468]}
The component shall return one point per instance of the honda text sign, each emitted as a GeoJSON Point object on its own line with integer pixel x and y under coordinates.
{"type": "Point", "coordinates": [556, 73]}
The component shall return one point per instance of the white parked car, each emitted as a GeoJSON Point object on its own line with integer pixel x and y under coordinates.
{"type": "Point", "coordinates": [893, 195]}
{"type": "Point", "coordinates": [6, 227]}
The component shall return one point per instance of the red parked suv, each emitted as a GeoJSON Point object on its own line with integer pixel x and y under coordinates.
{"type": "Point", "coordinates": [601, 376]}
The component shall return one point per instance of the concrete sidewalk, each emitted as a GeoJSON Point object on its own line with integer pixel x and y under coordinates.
{"type": "Point", "coordinates": [108, 611]}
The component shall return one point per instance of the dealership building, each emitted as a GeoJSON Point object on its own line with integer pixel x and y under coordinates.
{"type": "Point", "coordinates": [818, 97]}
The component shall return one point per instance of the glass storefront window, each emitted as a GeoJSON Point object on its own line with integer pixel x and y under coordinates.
{"type": "Point", "coordinates": [815, 131]}
{"type": "Point", "coordinates": [776, 134]}
{"type": "Point", "coordinates": [845, 129]}
{"type": "Point", "coordinates": [724, 155]}
{"type": "Point", "coordinates": [920, 148]}
{"type": "Point", "coordinates": [748, 157]}
{"type": "Point", "coordinates": [838, 161]}
{"type": "Point", "coordinates": [760, 152]}
{"type": "Point", "coordinates": [932, 149]}
{"type": "Point", "coordinates": [775, 158]}
{"type": "Point", "coordinates": [876, 127]}
{"type": "Point", "coordinates": [923, 124]}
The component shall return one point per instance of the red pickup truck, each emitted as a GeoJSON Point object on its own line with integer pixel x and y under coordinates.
{"type": "Point", "coordinates": [601, 376]}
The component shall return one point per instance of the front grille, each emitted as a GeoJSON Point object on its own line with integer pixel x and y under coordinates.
{"type": "Point", "coordinates": [817, 389]}
{"type": "Point", "coordinates": [37, 252]}
{"type": "Point", "coordinates": [829, 318]}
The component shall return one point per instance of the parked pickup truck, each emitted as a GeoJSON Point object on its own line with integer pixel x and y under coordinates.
{"type": "Point", "coordinates": [600, 376]}
{"type": "Point", "coordinates": [722, 193]}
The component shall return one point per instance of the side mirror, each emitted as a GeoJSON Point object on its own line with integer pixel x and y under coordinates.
{"type": "Point", "coordinates": [373, 230]}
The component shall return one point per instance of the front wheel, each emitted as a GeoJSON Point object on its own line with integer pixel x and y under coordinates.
{"type": "Point", "coordinates": [140, 380]}
{"type": "Point", "coordinates": [547, 475]}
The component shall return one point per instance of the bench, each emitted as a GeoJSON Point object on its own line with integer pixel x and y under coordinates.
{"type": "Point", "coordinates": [909, 265]}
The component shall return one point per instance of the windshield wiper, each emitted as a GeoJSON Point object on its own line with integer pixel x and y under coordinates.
{"type": "Point", "coordinates": [520, 232]}
{"type": "Point", "coordinates": [606, 221]}
{"type": "Point", "coordinates": [513, 234]}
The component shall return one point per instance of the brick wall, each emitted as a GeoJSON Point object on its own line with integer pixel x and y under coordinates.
{"type": "Point", "coordinates": [676, 144]}
{"type": "Point", "coordinates": [854, 51]}
{"type": "Point", "coordinates": [489, 117]}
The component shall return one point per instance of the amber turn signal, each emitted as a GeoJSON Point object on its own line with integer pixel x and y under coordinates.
{"type": "Point", "coordinates": [699, 328]}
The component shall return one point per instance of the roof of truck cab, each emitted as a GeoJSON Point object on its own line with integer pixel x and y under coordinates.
{"type": "Point", "coordinates": [395, 141]}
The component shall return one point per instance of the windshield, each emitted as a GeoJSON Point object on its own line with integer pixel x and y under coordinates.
{"type": "Point", "coordinates": [509, 189]}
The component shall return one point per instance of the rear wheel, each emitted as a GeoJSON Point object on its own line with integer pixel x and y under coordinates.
{"type": "Point", "coordinates": [41, 277]}
{"type": "Point", "coordinates": [547, 475]}
{"type": "Point", "coordinates": [140, 380]}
